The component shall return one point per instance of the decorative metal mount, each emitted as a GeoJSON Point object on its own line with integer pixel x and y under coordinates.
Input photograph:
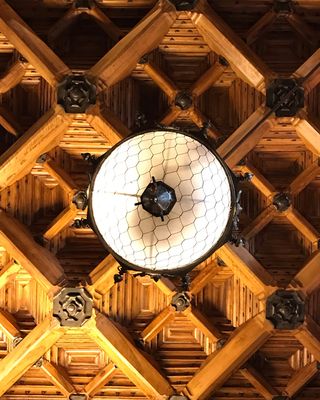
{"type": "Point", "coordinates": [76, 93]}
{"type": "Point", "coordinates": [281, 201]}
{"type": "Point", "coordinates": [183, 100]}
{"type": "Point", "coordinates": [72, 306]}
{"type": "Point", "coordinates": [42, 158]}
{"type": "Point", "coordinates": [78, 396]}
{"type": "Point", "coordinates": [285, 96]}
{"type": "Point", "coordinates": [283, 6]}
{"type": "Point", "coordinates": [81, 223]}
{"type": "Point", "coordinates": [39, 363]}
{"type": "Point", "coordinates": [181, 301]}
{"type": "Point", "coordinates": [223, 61]}
{"type": "Point", "coordinates": [80, 199]}
{"type": "Point", "coordinates": [184, 5]}
{"type": "Point", "coordinates": [158, 199]}
{"type": "Point", "coordinates": [285, 309]}
{"type": "Point", "coordinates": [16, 341]}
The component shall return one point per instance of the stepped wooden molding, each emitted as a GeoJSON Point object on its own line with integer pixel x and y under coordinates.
{"type": "Point", "coordinates": [301, 378]}
{"type": "Point", "coordinates": [38, 261]}
{"type": "Point", "coordinates": [128, 358]}
{"type": "Point", "coordinates": [218, 367]}
{"type": "Point", "coordinates": [45, 134]}
{"type": "Point", "coordinates": [27, 352]}
{"type": "Point", "coordinates": [144, 37]}
{"type": "Point", "coordinates": [47, 63]}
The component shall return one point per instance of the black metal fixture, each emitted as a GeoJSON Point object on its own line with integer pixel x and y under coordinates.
{"type": "Point", "coordinates": [72, 306]}
{"type": "Point", "coordinates": [283, 6]}
{"type": "Point", "coordinates": [282, 201]}
{"type": "Point", "coordinates": [184, 5]}
{"type": "Point", "coordinates": [181, 301]}
{"type": "Point", "coordinates": [285, 309]}
{"type": "Point", "coordinates": [80, 199]}
{"type": "Point", "coordinates": [286, 95]}
{"type": "Point", "coordinates": [81, 223]}
{"type": "Point", "coordinates": [76, 93]}
{"type": "Point", "coordinates": [84, 4]}
{"type": "Point", "coordinates": [183, 100]}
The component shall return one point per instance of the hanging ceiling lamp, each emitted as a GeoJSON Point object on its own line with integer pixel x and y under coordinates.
{"type": "Point", "coordinates": [162, 201]}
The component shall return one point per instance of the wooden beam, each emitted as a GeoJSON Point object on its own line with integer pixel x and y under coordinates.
{"type": "Point", "coordinates": [9, 269]}
{"type": "Point", "coordinates": [208, 79]}
{"type": "Point", "coordinates": [201, 322]}
{"type": "Point", "coordinates": [245, 138]}
{"type": "Point", "coordinates": [166, 286]}
{"type": "Point", "coordinates": [61, 176]}
{"type": "Point", "coordinates": [306, 176]}
{"type": "Point", "coordinates": [27, 352]}
{"type": "Point", "coordinates": [144, 37]}
{"type": "Point", "coordinates": [64, 219]}
{"type": "Point", "coordinates": [45, 61]}
{"type": "Point", "coordinates": [104, 22]}
{"type": "Point", "coordinates": [309, 131]}
{"type": "Point", "coordinates": [13, 76]}
{"type": "Point", "coordinates": [261, 26]}
{"type": "Point", "coordinates": [107, 124]}
{"type": "Point", "coordinates": [58, 377]}
{"type": "Point", "coordinates": [161, 79]}
{"type": "Point", "coordinates": [258, 180]}
{"type": "Point", "coordinates": [8, 325]}
{"type": "Point", "coordinates": [45, 134]}
{"type": "Point", "coordinates": [157, 324]}
{"type": "Point", "coordinates": [222, 40]}
{"type": "Point", "coordinates": [303, 29]}
{"type": "Point", "coordinates": [133, 363]}
{"type": "Point", "coordinates": [41, 264]}
{"type": "Point", "coordinates": [200, 120]}
{"type": "Point", "coordinates": [63, 23]}
{"type": "Point", "coordinates": [301, 378]}
{"type": "Point", "coordinates": [262, 220]}
{"type": "Point", "coordinates": [203, 278]}
{"type": "Point", "coordinates": [101, 277]}
{"type": "Point", "coordinates": [99, 381]}
{"type": "Point", "coordinates": [302, 225]}
{"type": "Point", "coordinates": [250, 271]}
{"type": "Point", "coordinates": [309, 336]}
{"type": "Point", "coordinates": [242, 344]}
{"type": "Point", "coordinates": [171, 116]}
{"type": "Point", "coordinates": [311, 70]}
{"type": "Point", "coordinates": [308, 279]}
{"type": "Point", "coordinates": [9, 122]}
{"type": "Point", "coordinates": [258, 382]}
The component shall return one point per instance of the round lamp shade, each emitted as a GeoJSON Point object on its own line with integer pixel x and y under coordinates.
{"type": "Point", "coordinates": [162, 201]}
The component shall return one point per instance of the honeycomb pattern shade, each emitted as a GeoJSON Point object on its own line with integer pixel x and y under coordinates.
{"type": "Point", "coordinates": [196, 224]}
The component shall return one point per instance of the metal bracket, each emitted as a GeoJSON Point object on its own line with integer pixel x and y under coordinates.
{"type": "Point", "coordinates": [282, 201]}
{"type": "Point", "coordinates": [181, 301]}
{"type": "Point", "coordinates": [80, 199]}
{"type": "Point", "coordinates": [184, 5]}
{"type": "Point", "coordinates": [283, 6]}
{"type": "Point", "coordinates": [183, 100]}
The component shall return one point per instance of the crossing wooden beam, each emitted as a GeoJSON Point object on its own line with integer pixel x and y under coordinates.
{"type": "Point", "coordinates": [62, 220]}
{"type": "Point", "coordinates": [131, 361]}
{"type": "Point", "coordinates": [308, 279]}
{"type": "Point", "coordinates": [13, 76]}
{"type": "Point", "coordinates": [261, 26]}
{"type": "Point", "coordinates": [204, 277]}
{"type": "Point", "coordinates": [209, 78]}
{"type": "Point", "coordinates": [308, 335]}
{"type": "Point", "coordinates": [171, 116]}
{"type": "Point", "coordinates": [28, 351]}
{"type": "Point", "coordinates": [303, 29]}
{"type": "Point", "coordinates": [45, 61]}
{"type": "Point", "coordinates": [309, 71]}
{"type": "Point", "coordinates": [45, 134]}
{"type": "Point", "coordinates": [303, 226]}
{"type": "Point", "coordinates": [104, 22]}
{"type": "Point", "coordinates": [308, 129]}
{"type": "Point", "coordinates": [58, 377]}
{"type": "Point", "coordinates": [222, 40]}
{"type": "Point", "coordinates": [242, 344]}
{"type": "Point", "coordinates": [262, 220]}
{"type": "Point", "coordinates": [301, 378]}
{"type": "Point", "coordinates": [259, 382]}
{"type": "Point", "coordinates": [101, 279]}
{"type": "Point", "coordinates": [9, 269]}
{"type": "Point", "coordinates": [107, 124]}
{"type": "Point", "coordinates": [41, 264]}
{"type": "Point", "coordinates": [9, 122]}
{"type": "Point", "coordinates": [144, 37]}
{"type": "Point", "coordinates": [200, 120]}
{"type": "Point", "coordinates": [8, 325]}
{"type": "Point", "coordinates": [100, 379]}
{"type": "Point", "coordinates": [60, 175]}
{"type": "Point", "coordinates": [63, 23]}
{"type": "Point", "coordinates": [306, 176]}
{"type": "Point", "coordinates": [158, 323]}
{"type": "Point", "coordinates": [258, 180]}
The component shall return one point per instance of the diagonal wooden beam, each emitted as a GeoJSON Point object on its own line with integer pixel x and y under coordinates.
{"type": "Point", "coordinates": [200, 120]}
{"type": "Point", "coordinates": [104, 22]}
{"type": "Point", "coordinates": [9, 269]}
{"type": "Point", "coordinates": [301, 378]}
{"type": "Point", "coordinates": [59, 378]}
{"type": "Point", "coordinates": [201, 322]}
{"type": "Point", "coordinates": [8, 325]}
{"type": "Point", "coordinates": [63, 23]}
{"type": "Point", "coordinates": [107, 124]}
{"type": "Point", "coordinates": [302, 29]}
{"type": "Point", "coordinates": [161, 79]}
{"type": "Point", "coordinates": [101, 279]}
{"type": "Point", "coordinates": [133, 363]}
{"type": "Point", "coordinates": [13, 76]}
{"type": "Point", "coordinates": [203, 278]}
{"type": "Point", "coordinates": [262, 220]}
{"type": "Point", "coordinates": [38, 261]}
{"type": "Point", "coordinates": [100, 380]}
{"type": "Point", "coordinates": [61, 176]}
{"type": "Point", "coordinates": [157, 324]}
{"type": "Point", "coordinates": [308, 279]}
{"type": "Point", "coordinates": [171, 116]}
{"type": "Point", "coordinates": [243, 264]}
{"type": "Point", "coordinates": [27, 352]}
{"type": "Point", "coordinates": [258, 382]}
{"type": "Point", "coordinates": [308, 129]}
{"type": "Point", "coordinates": [209, 78]}
{"type": "Point", "coordinates": [45, 134]}
{"type": "Point", "coordinates": [245, 138]}
{"type": "Point", "coordinates": [303, 225]}
{"type": "Point", "coordinates": [46, 62]}
{"type": "Point", "coordinates": [64, 219]}
{"type": "Point", "coordinates": [261, 26]}
{"type": "Point", "coordinates": [258, 180]}
{"type": "Point", "coordinates": [309, 336]}
{"type": "Point", "coordinates": [144, 37]}
{"type": "Point", "coordinates": [222, 40]}
{"type": "Point", "coordinates": [242, 344]}
{"type": "Point", "coordinates": [9, 122]}
{"type": "Point", "coordinates": [306, 176]}
{"type": "Point", "coordinates": [310, 70]}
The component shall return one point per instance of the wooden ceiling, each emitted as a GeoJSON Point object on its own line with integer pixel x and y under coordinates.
{"type": "Point", "coordinates": [136, 345]}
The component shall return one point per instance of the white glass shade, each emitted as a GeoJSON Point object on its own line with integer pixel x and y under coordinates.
{"type": "Point", "coordinates": [197, 221]}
